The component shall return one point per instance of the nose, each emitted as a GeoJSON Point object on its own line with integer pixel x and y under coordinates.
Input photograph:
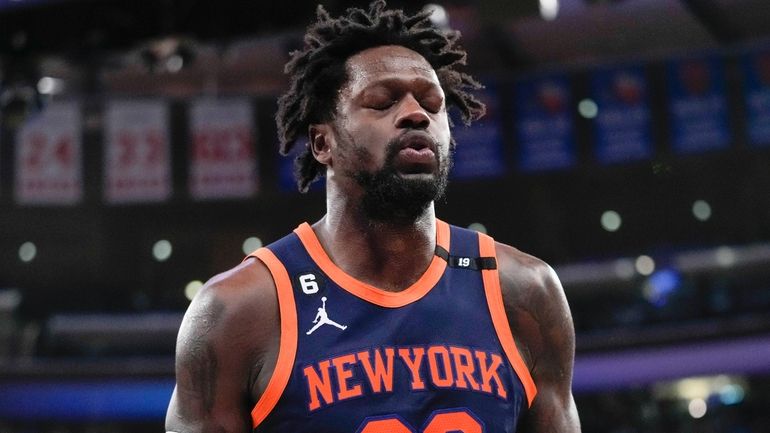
{"type": "Point", "coordinates": [412, 115]}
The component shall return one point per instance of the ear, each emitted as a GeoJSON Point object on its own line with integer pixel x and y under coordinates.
{"type": "Point", "coordinates": [320, 140]}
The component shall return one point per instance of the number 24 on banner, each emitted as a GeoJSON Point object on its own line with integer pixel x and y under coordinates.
{"type": "Point", "coordinates": [43, 151]}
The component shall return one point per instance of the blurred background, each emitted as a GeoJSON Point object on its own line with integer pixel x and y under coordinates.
{"type": "Point", "coordinates": [627, 144]}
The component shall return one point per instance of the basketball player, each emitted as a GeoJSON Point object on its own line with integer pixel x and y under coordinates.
{"type": "Point", "coordinates": [379, 317]}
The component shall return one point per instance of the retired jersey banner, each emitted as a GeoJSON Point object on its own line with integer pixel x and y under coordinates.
{"type": "Point", "coordinates": [544, 124]}
{"type": "Point", "coordinates": [48, 157]}
{"type": "Point", "coordinates": [697, 105]}
{"type": "Point", "coordinates": [223, 163]}
{"type": "Point", "coordinates": [756, 70]}
{"type": "Point", "coordinates": [623, 125]}
{"type": "Point", "coordinates": [136, 157]}
{"type": "Point", "coordinates": [479, 151]}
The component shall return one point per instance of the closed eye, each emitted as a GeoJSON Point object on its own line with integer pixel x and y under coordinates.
{"type": "Point", "coordinates": [381, 105]}
{"type": "Point", "coordinates": [432, 104]}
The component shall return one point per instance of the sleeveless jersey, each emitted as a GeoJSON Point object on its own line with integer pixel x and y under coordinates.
{"type": "Point", "coordinates": [437, 357]}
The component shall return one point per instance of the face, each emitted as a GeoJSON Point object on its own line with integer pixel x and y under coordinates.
{"type": "Point", "coordinates": [390, 137]}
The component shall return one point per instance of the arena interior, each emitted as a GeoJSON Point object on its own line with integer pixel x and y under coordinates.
{"type": "Point", "coordinates": [627, 143]}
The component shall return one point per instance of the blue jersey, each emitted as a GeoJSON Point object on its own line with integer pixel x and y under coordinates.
{"type": "Point", "coordinates": [437, 357]}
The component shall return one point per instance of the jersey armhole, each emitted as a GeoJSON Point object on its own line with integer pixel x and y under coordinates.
{"type": "Point", "coordinates": [494, 297]}
{"type": "Point", "coordinates": [287, 349]}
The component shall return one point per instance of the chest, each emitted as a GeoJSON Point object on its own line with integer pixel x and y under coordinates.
{"type": "Point", "coordinates": [435, 357]}
{"type": "Point", "coordinates": [354, 359]}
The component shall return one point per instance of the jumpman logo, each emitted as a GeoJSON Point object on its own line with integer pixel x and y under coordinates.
{"type": "Point", "coordinates": [323, 319]}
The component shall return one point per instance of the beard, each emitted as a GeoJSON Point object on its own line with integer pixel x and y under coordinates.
{"type": "Point", "coordinates": [389, 197]}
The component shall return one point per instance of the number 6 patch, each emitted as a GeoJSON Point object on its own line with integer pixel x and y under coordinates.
{"type": "Point", "coordinates": [309, 283]}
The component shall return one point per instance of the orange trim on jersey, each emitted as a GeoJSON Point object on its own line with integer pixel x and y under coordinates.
{"type": "Point", "coordinates": [288, 346]}
{"type": "Point", "coordinates": [368, 292]}
{"type": "Point", "coordinates": [500, 319]}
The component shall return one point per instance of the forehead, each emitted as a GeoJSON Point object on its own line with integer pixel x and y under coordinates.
{"type": "Point", "coordinates": [386, 63]}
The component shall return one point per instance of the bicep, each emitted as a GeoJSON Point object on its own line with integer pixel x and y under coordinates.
{"type": "Point", "coordinates": [541, 322]}
{"type": "Point", "coordinates": [211, 383]}
{"type": "Point", "coordinates": [554, 407]}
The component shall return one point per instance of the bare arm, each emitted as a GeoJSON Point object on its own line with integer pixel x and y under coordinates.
{"type": "Point", "coordinates": [226, 333]}
{"type": "Point", "coordinates": [541, 322]}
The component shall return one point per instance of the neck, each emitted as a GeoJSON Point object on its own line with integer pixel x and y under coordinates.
{"type": "Point", "coordinates": [388, 255]}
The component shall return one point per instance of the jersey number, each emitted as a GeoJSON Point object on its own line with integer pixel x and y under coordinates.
{"type": "Point", "coordinates": [440, 421]}
{"type": "Point", "coordinates": [308, 284]}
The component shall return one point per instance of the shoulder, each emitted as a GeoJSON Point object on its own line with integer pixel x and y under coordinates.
{"type": "Point", "coordinates": [534, 301]}
{"type": "Point", "coordinates": [228, 333]}
{"type": "Point", "coordinates": [541, 323]}
{"type": "Point", "coordinates": [241, 288]}
{"type": "Point", "coordinates": [234, 314]}
{"type": "Point", "coordinates": [524, 277]}
{"type": "Point", "coordinates": [240, 291]}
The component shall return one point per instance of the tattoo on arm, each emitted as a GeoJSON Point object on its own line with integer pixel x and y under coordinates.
{"type": "Point", "coordinates": [198, 372]}
{"type": "Point", "coordinates": [203, 372]}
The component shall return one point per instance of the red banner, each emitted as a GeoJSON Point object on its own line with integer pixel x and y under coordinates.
{"type": "Point", "coordinates": [48, 157]}
{"type": "Point", "coordinates": [222, 164]}
{"type": "Point", "coordinates": [137, 162]}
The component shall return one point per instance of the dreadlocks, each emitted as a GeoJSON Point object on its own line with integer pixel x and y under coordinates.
{"type": "Point", "coordinates": [317, 71]}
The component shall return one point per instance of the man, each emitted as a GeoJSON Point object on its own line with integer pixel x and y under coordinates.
{"type": "Point", "coordinates": [378, 318]}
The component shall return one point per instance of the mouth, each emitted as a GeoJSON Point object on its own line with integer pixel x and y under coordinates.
{"type": "Point", "coordinates": [418, 141]}
{"type": "Point", "coordinates": [416, 153]}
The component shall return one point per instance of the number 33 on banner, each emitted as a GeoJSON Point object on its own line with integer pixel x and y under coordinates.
{"type": "Point", "coordinates": [440, 421]}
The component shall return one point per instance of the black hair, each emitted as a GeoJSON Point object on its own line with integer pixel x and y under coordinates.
{"type": "Point", "coordinates": [317, 71]}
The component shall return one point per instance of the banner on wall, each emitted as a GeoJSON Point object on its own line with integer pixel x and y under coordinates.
{"type": "Point", "coordinates": [623, 125]}
{"type": "Point", "coordinates": [479, 152]}
{"type": "Point", "coordinates": [756, 71]}
{"type": "Point", "coordinates": [223, 162]}
{"type": "Point", "coordinates": [48, 166]}
{"type": "Point", "coordinates": [136, 157]}
{"type": "Point", "coordinates": [544, 124]}
{"type": "Point", "coordinates": [697, 105]}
